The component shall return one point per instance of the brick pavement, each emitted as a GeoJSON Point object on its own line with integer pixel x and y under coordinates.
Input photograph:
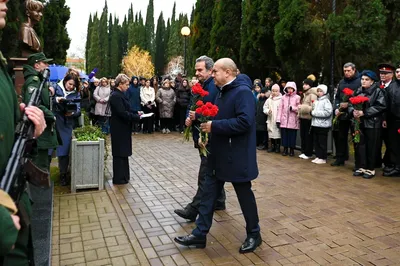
{"type": "Point", "coordinates": [309, 215]}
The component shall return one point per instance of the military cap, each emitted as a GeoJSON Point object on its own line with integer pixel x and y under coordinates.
{"type": "Point", "coordinates": [386, 68]}
{"type": "Point", "coordinates": [38, 57]}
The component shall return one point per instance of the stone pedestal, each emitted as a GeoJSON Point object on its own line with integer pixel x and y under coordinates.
{"type": "Point", "coordinates": [17, 65]}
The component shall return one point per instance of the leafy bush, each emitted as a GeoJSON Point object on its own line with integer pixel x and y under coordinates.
{"type": "Point", "coordinates": [86, 120]}
{"type": "Point", "coordinates": [89, 133]}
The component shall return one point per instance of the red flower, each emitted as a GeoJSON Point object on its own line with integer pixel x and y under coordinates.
{"type": "Point", "coordinates": [398, 130]}
{"type": "Point", "coordinates": [312, 101]}
{"type": "Point", "coordinates": [348, 92]}
{"type": "Point", "coordinates": [199, 103]}
{"type": "Point", "coordinates": [358, 100]}
{"type": "Point", "coordinates": [382, 86]}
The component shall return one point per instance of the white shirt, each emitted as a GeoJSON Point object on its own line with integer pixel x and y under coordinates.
{"type": "Point", "coordinates": [147, 95]}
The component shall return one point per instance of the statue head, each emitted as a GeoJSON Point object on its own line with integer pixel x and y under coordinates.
{"type": "Point", "coordinates": [34, 10]}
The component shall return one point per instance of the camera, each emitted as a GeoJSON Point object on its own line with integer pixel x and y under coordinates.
{"type": "Point", "coordinates": [68, 106]}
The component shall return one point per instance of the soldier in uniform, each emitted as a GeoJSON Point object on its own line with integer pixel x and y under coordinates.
{"type": "Point", "coordinates": [386, 73]}
{"type": "Point", "coordinates": [9, 115]}
{"type": "Point", "coordinates": [33, 77]}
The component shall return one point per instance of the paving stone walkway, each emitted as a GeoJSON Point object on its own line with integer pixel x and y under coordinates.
{"type": "Point", "coordinates": [309, 214]}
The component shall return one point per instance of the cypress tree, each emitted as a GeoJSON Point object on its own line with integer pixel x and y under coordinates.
{"type": "Point", "coordinates": [149, 28]}
{"type": "Point", "coordinates": [159, 57]}
{"type": "Point", "coordinates": [174, 35]}
{"type": "Point", "coordinates": [9, 41]}
{"type": "Point", "coordinates": [166, 41]}
{"type": "Point", "coordinates": [87, 46]}
{"type": "Point", "coordinates": [94, 50]}
{"type": "Point", "coordinates": [257, 51]}
{"type": "Point", "coordinates": [141, 33]}
{"type": "Point", "coordinates": [103, 35]}
{"type": "Point", "coordinates": [202, 25]}
{"type": "Point", "coordinates": [225, 33]}
{"type": "Point", "coordinates": [115, 54]}
{"type": "Point", "coordinates": [123, 38]}
{"type": "Point", "coordinates": [110, 35]}
{"type": "Point", "coordinates": [56, 39]}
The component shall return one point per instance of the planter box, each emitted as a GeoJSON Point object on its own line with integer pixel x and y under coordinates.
{"type": "Point", "coordinates": [87, 164]}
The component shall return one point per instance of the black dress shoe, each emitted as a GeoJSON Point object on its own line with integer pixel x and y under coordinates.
{"type": "Point", "coordinates": [388, 169]}
{"type": "Point", "coordinates": [291, 153]}
{"type": "Point", "coordinates": [337, 163]}
{"type": "Point", "coordinates": [285, 152]}
{"type": "Point", "coordinates": [359, 172]}
{"type": "Point", "coordinates": [250, 244]}
{"type": "Point", "coordinates": [394, 172]}
{"type": "Point", "coordinates": [220, 207]}
{"type": "Point", "coordinates": [262, 148]}
{"type": "Point", "coordinates": [191, 240]}
{"type": "Point", "coordinates": [185, 214]}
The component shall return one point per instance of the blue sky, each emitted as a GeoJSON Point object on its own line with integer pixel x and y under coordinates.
{"type": "Point", "coordinates": [80, 10]}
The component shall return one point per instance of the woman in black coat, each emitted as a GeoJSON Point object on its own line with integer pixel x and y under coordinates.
{"type": "Point", "coordinates": [121, 129]}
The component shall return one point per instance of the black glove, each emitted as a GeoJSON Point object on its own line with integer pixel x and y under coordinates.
{"type": "Point", "coordinates": [290, 108]}
{"type": "Point", "coordinates": [278, 124]}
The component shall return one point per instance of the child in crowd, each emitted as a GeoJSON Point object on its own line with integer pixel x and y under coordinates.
{"type": "Point", "coordinates": [321, 123]}
{"type": "Point", "coordinates": [166, 101]}
{"type": "Point", "coordinates": [309, 96]}
{"type": "Point", "coordinates": [288, 120]}
{"type": "Point", "coordinates": [271, 110]}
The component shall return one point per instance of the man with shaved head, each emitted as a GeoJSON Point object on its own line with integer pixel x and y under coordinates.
{"type": "Point", "coordinates": [233, 155]}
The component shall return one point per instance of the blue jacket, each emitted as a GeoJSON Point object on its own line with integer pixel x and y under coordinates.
{"type": "Point", "coordinates": [64, 123]}
{"type": "Point", "coordinates": [133, 95]}
{"type": "Point", "coordinates": [209, 86]}
{"type": "Point", "coordinates": [233, 148]}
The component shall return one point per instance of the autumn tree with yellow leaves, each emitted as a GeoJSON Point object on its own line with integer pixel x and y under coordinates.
{"type": "Point", "coordinates": [138, 63]}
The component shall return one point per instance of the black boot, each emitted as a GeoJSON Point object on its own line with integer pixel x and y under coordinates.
{"type": "Point", "coordinates": [63, 180]}
{"type": "Point", "coordinates": [278, 146]}
{"type": "Point", "coordinates": [272, 148]}
{"type": "Point", "coordinates": [291, 154]}
{"type": "Point", "coordinates": [285, 151]}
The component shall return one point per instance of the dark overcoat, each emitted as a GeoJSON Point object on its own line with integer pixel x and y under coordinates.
{"type": "Point", "coordinates": [233, 148]}
{"type": "Point", "coordinates": [121, 124]}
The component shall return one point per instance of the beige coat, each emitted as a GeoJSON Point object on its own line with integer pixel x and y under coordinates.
{"type": "Point", "coordinates": [305, 107]}
{"type": "Point", "coordinates": [272, 104]}
{"type": "Point", "coordinates": [101, 93]}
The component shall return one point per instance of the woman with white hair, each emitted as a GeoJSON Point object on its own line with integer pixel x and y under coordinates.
{"type": "Point", "coordinates": [121, 128]}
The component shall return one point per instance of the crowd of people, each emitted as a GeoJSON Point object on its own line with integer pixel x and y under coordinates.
{"type": "Point", "coordinates": [282, 110]}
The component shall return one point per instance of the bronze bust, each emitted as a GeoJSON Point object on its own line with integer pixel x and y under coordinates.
{"type": "Point", "coordinates": [30, 42]}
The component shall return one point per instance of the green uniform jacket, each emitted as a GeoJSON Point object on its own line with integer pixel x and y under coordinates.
{"type": "Point", "coordinates": [9, 115]}
{"type": "Point", "coordinates": [33, 78]}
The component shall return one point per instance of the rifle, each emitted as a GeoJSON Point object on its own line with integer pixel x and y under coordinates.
{"type": "Point", "coordinates": [19, 168]}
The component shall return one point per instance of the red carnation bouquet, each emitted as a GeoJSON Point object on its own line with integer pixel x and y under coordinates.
{"type": "Point", "coordinates": [347, 93]}
{"type": "Point", "coordinates": [207, 112]}
{"type": "Point", "coordinates": [358, 103]}
{"type": "Point", "coordinates": [198, 94]}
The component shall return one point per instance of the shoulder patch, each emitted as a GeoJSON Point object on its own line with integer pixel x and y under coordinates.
{"type": "Point", "coordinates": [31, 89]}
{"type": "Point", "coordinates": [35, 78]}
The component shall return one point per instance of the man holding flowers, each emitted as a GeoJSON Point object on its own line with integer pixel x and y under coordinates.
{"type": "Point", "coordinates": [202, 93]}
{"type": "Point", "coordinates": [232, 157]}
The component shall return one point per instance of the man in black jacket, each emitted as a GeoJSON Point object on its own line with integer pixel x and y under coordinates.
{"type": "Point", "coordinates": [352, 81]}
{"type": "Point", "coordinates": [393, 124]}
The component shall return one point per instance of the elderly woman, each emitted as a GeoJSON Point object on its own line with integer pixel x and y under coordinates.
{"type": "Point", "coordinates": [101, 95]}
{"type": "Point", "coordinates": [371, 118]}
{"type": "Point", "coordinates": [122, 118]}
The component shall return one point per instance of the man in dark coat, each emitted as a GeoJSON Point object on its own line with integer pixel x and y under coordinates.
{"type": "Point", "coordinates": [352, 81]}
{"type": "Point", "coordinates": [393, 124]}
{"type": "Point", "coordinates": [204, 65]}
{"type": "Point", "coordinates": [233, 155]}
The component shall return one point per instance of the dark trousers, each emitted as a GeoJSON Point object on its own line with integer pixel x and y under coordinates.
{"type": "Point", "coordinates": [156, 118]}
{"type": "Point", "coordinates": [341, 138]}
{"type": "Point", "coordinates": [148, 121]}
{"type": "Point", "coordinates": [120, 170]}
{"type": "Point", "coordinates": [136, 127]}
{"type": "Point", "coordinates": [321, 142]}
{"type": "Point", "coordinates": [247, 203]}
{"type": "Point", "coordinates": [63, 163]}
{"type": "Point", "coordinates": [365, 150]}
{"type": "Point", "coordinates": [204, 173]}
{"type": "Point", "coordinates": [166, 123]}
{"type": "Point", "coordinates": [387, 159]}
{"type": "Point", "coordinates": [182, 117]}
{"type": "Point", "coordinates": [261, 138]}
{"type": "Point", "coordinates": [394, 141]}
{"type": "Point", "coordinates": [307, 140]}
{"type": "Point", "coordinates": [288, 137]}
